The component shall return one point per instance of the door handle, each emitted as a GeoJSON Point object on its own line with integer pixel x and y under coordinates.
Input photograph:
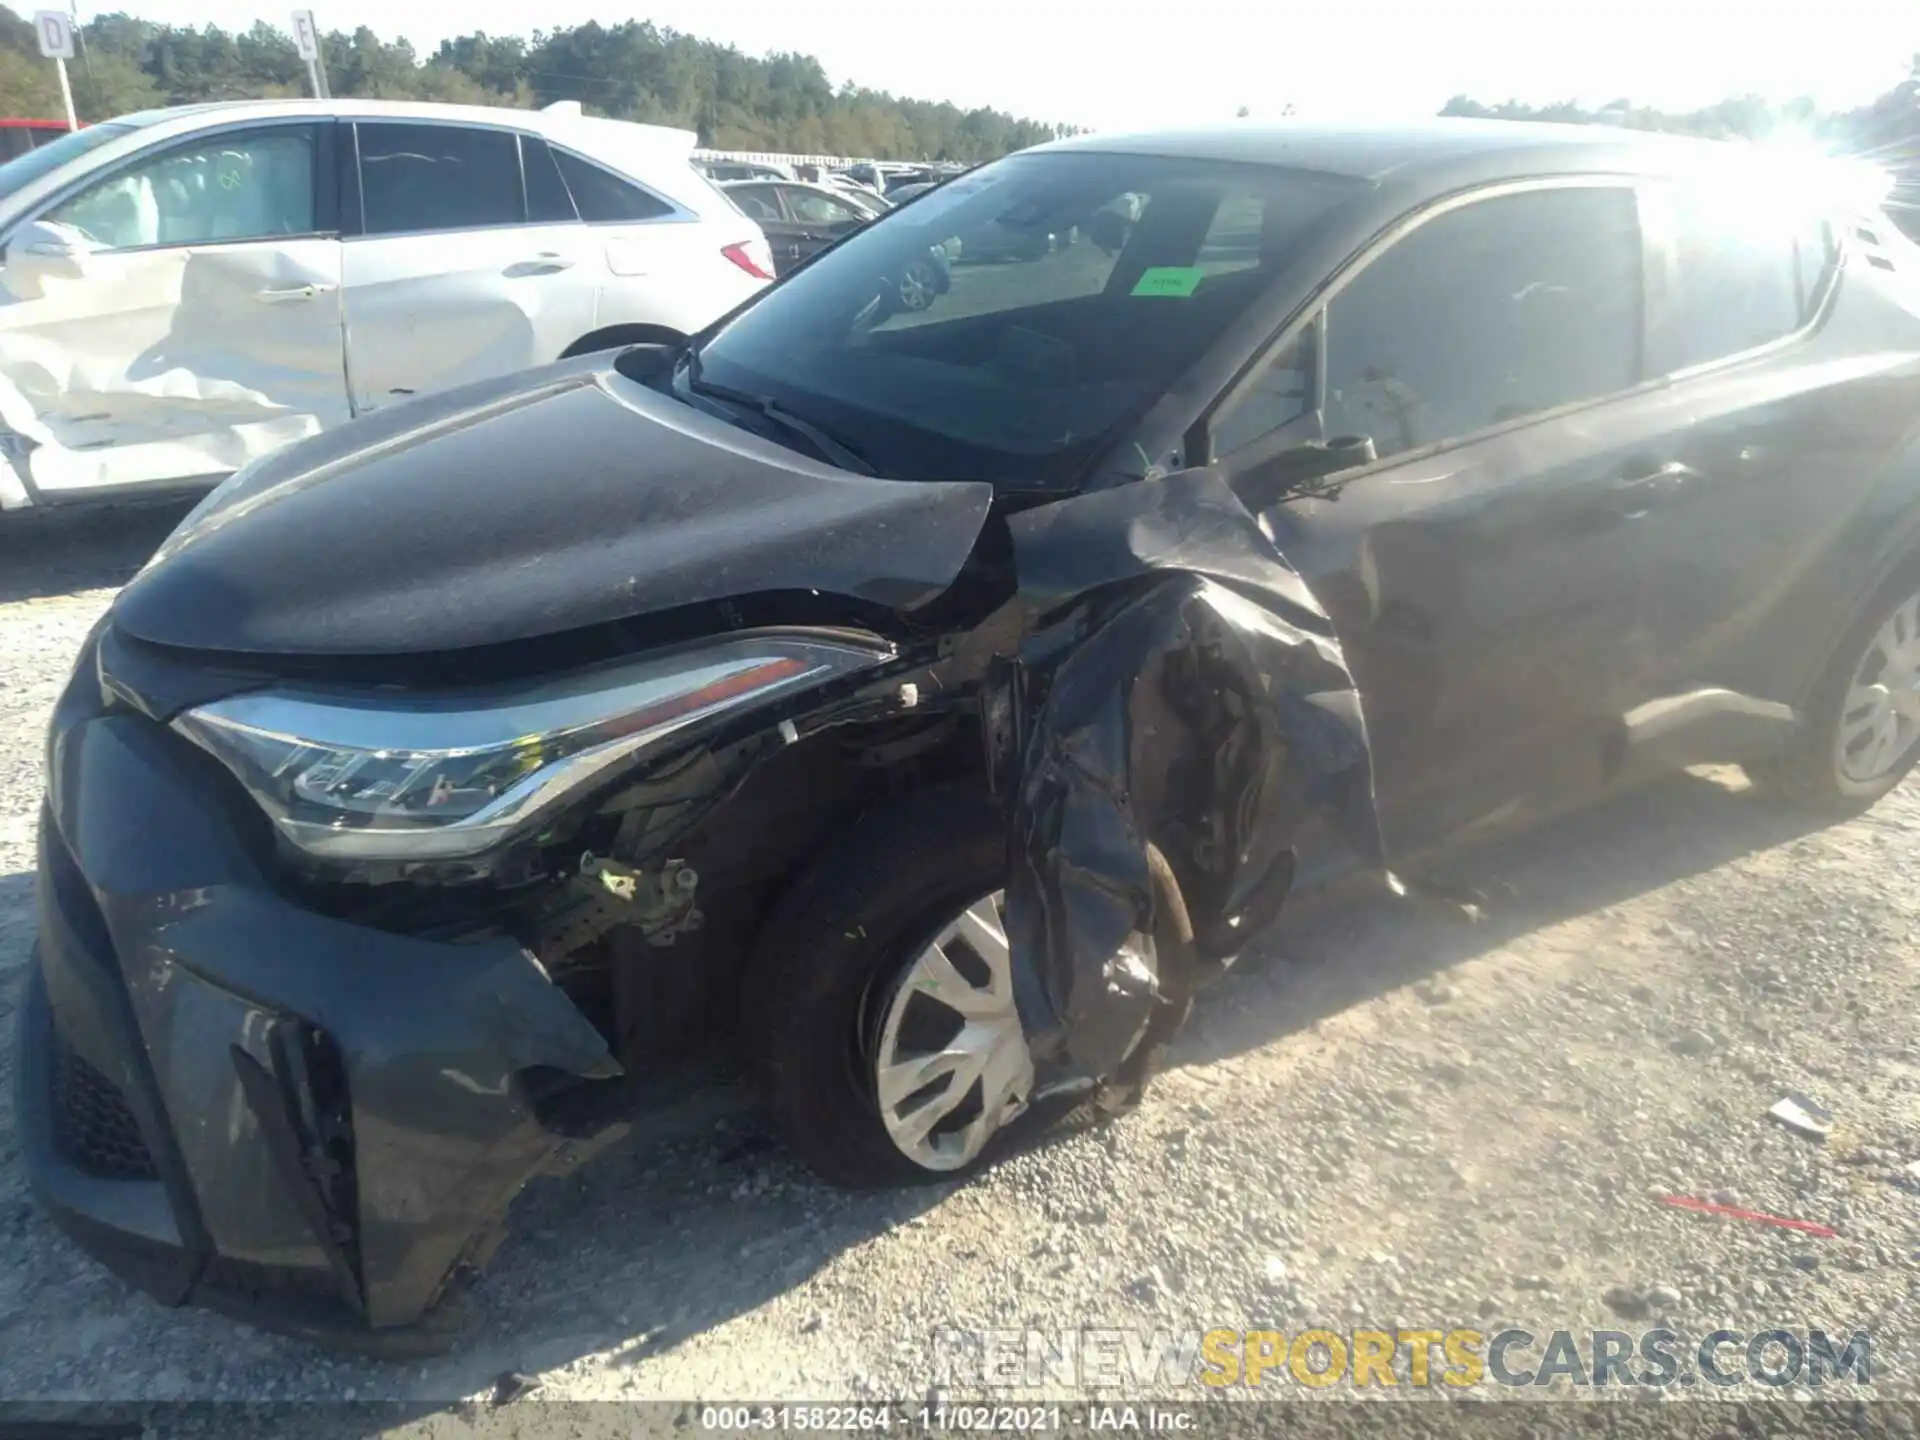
{"type": "Point", "coordinates": [1643, 485]}
{"type": "Point", "coordinates": [298, 292]}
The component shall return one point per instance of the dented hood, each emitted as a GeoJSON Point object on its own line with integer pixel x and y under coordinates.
{"type": "Point", "coordinates": [565, 498]}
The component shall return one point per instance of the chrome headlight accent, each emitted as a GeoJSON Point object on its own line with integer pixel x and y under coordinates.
{"type": "Point", "coordinates": [419, 777]}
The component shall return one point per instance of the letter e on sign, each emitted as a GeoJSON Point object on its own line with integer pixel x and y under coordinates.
{"type": "Point", "coordinates": [306, 39]}
{"type": "Point", "coordinates": [54, 29]}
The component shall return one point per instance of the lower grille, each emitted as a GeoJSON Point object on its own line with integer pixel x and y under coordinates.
{"type": "Point", "coordinates": [92, 1127]}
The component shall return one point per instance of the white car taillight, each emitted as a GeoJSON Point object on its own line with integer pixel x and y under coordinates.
{"type": "Point", "coordinates": [753, 256]}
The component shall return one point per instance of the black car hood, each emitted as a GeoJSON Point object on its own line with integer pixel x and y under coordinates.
{"type": "Point", "coordinates": [532, 506]}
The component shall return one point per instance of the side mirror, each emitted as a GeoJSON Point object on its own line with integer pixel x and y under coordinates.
{"type": "Point", "coordinates": [41, 247]}
{"type": "Point", "coordinates": [1344, 452]}
{"type": "Point", "coordinates": [1271, 481]}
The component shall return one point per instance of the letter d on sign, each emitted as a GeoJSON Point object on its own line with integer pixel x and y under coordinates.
{"type": "Point", "coordinates": [54, 30]}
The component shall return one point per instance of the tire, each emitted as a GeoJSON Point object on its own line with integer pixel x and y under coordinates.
{"type": "Point", "coordinates": [917, 286]}
{"type": "Point", "coordinates": [1812, 772]}
{"type": "Point", "coordinates": [821, 986]}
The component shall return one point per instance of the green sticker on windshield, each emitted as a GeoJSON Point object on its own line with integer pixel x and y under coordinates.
{"type": "Point", "coordinates": [1170, 280]}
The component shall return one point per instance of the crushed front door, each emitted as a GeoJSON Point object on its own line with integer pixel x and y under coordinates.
{"type": "Point", "coordinates": [173, 320]}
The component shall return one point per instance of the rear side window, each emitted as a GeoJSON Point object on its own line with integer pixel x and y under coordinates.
{"type": "Point", "coordinates": [438, 177]}
{"type": "Point", "coordinates": [810, 207]}
{"type": "Point", "coordinates": [547, 199]}
{"type": "Point", "coordinates": [756, 202]}
{"type": "Point", "coordinates": [1496, 310]}
{"type": "Point", "coordinates": [1732, 278]}
{"type": "Point", "coordinates": [604, 198]}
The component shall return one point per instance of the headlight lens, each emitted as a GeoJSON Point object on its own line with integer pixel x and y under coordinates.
{"type": "Point", "coordinates": [412, 778]}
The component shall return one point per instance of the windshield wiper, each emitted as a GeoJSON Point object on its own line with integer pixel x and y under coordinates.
{"type": "Point", "coordinates": [829, 448]}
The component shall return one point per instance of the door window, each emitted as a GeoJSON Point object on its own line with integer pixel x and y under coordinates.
{"type": "Point", "coordinates": [548, 202]}
{"type": "Point", "coordinates": [1499, 309]}
{"type": "Point", "coordinates": [438, 177]}
{"type": "Point", "coordinates": [605, 198]}
{"type": "Point", "coordinates": [756, 202]}
{"type": "Point", "coordinates": [244, 185]}
{"type": "Point", "coordinates": [810, 207]}
{"type": "Point", "coordinates": [1733, 275]}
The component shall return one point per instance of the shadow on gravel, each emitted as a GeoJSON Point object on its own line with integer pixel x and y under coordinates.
{"type": "Point", "coordinates": [671, 1235]}
{"type": "Point", "coordinates": [1329, 954]}
{"type": "Point", "coordinates": [656, 1245]}
{"type": "Point", "coordinates": [56, 552]}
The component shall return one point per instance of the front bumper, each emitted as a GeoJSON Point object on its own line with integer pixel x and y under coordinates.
{"type": "Point", "coordinates": [236, 1101]}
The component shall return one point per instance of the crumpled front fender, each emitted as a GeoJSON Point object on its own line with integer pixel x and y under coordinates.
{"type": "Point", "coordinates": [1186, 695]}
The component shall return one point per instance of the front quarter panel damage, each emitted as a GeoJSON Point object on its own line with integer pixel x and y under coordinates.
{"type": "Point", "coordinates": [1188, 699]}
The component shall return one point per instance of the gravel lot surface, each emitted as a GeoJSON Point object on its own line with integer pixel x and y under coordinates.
{"type": "Point", "coordinates": [1389, 1115]}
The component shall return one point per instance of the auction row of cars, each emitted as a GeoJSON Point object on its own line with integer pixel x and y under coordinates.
{"type": "Point", "coordinates": [913, 709]}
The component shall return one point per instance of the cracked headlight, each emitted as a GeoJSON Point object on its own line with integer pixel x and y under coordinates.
{"type": "Point", "coordinates": [410, 777]}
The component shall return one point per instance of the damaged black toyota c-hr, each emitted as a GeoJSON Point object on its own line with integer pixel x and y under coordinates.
{"type": "Point", "coordinates": [921, 704]}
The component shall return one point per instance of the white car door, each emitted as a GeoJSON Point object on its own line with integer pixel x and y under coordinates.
{"type": "Point", "coordinates": [452, 278]}
{"type": "Point", "coordinates": [176, 316]}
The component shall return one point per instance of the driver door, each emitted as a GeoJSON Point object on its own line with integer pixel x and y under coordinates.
{"type": "Point", "coordinates": [1479, 561]}
{"type": "Point", "coordinates": [178, 316]}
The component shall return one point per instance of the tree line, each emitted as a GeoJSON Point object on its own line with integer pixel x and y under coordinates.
{"type": "Point", "coordinates": [783, 102]}
{"type": "Point", "coordinates": [1885, 131]}
{"type": "Point", "coordinates": [632, 71]}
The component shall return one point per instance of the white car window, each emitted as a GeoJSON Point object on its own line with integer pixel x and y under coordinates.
{"type": "Point", "coordinates": [438, 177]}
{"type": "Point", "coordinates": [248, 185]}
{"type": "Point", "coordinates": [605, 198]}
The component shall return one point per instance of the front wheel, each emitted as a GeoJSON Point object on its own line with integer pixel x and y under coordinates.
{"type": "Point", "coordinates": [1861, 734]}
{"type": "Point", "coordinates": [878, 1005]}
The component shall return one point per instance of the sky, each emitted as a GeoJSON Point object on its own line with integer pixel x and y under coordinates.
{"type": "Point", "coordinates": [1114, 64]}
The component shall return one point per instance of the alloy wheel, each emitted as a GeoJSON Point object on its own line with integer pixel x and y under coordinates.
{"type": "Point", "coordinates": [1880, 718]}
{"type": "Point", "coordinates": [916, 287]}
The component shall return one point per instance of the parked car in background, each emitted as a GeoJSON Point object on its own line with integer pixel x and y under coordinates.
{"type": "Point", "coordinates": [800, 221]}
{"type": "Point", "coordinates": [723, 170]}
{"type": "Point", "coordinates": [844, 185]}
{"type": "Point", "coordinates": [183, 290]}
{"type": "Point", "coordinates": [923, 707]}
{"type": "Point", "coordinates": [903, 179]}
{"type": "Point", "coordinates": [17, 137]}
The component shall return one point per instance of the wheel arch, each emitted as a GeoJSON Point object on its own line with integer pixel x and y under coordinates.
{"type": "Point", "coordinates": [613, 337]}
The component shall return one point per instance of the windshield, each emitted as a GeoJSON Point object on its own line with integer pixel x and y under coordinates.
{"type": "Point", "coordinates": [1006, 325]}
{"type": "Point", "coordinates": [17, 174]}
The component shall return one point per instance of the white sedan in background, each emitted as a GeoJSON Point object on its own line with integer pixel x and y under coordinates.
{"type": "Point", "coordinates": [183, 290]}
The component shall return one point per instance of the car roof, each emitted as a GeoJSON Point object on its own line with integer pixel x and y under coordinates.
{"type": "Point", "coordinates": [1376, 151]}
{"type": "Point", "coordinates": [554, 122]}
{"type": "Point", "coordinates": [655, 155]}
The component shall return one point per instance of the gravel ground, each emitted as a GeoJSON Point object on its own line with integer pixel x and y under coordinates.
{"type": "Point", "coordinates": [1390, 1115]}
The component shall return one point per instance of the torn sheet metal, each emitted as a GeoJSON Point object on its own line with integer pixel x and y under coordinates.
{"type": "Point", "coordinates": [1188, 696]}
{"type": "Point", "coordinates": [151, 366]}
